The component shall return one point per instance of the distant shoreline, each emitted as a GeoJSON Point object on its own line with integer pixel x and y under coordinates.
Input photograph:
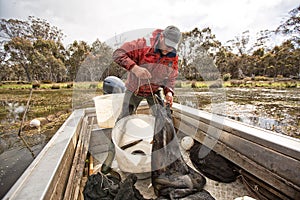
{"type": "Point", "coordinates": [247, 82]}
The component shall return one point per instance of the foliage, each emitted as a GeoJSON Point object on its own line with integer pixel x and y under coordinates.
{"type": "Point", "coordinates": [76, 54]}
{"type": "Point", "coordinates": [197, 51]}
{"type": "Point", "coordinates": [226, 76]}
{"type": "Point", "coordinates": [32, 50]}
{"type": "Point", "coordinates": [239, 43]}
{"type": "Point", "coordinates": [291, 26]}
{"type": "Point", "coordinates": [98, 64]}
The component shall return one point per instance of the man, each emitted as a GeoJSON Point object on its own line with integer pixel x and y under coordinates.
{"type": "Point", "coordinates": [150, 68]}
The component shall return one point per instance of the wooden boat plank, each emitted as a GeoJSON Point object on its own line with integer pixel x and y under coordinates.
{"type": "Point", "coordinates": [247, 177]}
{"type": "Point", "coordinates": [81, 164]}
{"type": "Point", "coordinates": [76, 160]}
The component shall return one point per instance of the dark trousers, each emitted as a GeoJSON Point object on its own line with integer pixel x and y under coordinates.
{"type": "Point", "coordinates": [131, 102]}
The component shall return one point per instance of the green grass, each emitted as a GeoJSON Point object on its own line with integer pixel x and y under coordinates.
{"type": "Point", "coordinates": [15, 86]}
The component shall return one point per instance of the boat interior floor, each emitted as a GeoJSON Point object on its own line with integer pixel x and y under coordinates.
{"type": "Point", "coordinates": [100, 138]}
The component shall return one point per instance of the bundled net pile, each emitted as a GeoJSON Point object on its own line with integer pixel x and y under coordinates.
{"type": "Point", "coordinates": [108, 187]}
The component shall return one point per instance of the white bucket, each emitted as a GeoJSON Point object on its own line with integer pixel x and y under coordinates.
{"type": "Point", "coordinates": [108, 108]}
{"type": "Point", "coordinates": [137, 158]}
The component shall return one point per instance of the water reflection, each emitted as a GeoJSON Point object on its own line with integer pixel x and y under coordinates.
{"type": "Point", "coordinates": [248, 114]}
{"type": "Point", "coordinates": [14, 111]}
{"type": "Point", "coordinates": [271, 109]}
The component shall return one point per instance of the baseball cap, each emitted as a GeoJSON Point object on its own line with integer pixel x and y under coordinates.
{"type": "Point", "coordinates": [172, 36]}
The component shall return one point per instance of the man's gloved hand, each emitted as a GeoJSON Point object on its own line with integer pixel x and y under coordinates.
{"type": "Point", "coordinates": [169, 98]}
{"type": "Point", "coordinates": [141, 72]}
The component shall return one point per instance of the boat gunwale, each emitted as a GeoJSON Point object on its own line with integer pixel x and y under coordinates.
{"type": "Point", "coordinates": [278, 142]}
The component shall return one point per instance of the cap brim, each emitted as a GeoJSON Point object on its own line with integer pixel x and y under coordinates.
{"type": "Point", "coordinates": [170, 43]}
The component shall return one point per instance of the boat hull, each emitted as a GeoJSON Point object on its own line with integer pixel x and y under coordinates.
{"type": "Point", "coordinates": [268, 159]}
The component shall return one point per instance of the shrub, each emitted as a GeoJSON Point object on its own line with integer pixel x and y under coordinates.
{"type": "Point", "coordinates": [216, 84]}
{"type": "Point", "coordinates": [226, 77]}
{"type": "Point", "coordinates": [69, 85]}
{"type": "Point", "coordinates": [55, 86]}
{"type": "Point", "coordinates": [291, 84]}
{"type": "Point", "coordinates": [36, 85]}
{"type": "Point", "coordinates": [279, 76]}
{"type": "Point", "coordinates": [246, 79]}
{"type": "Point", "coordinates": [194, 84]}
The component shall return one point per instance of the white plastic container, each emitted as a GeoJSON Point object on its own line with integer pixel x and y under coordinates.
{"type": "Point", "coordinates": [137, 158]}
{"type": "Point", "coordinates": [108, 108]}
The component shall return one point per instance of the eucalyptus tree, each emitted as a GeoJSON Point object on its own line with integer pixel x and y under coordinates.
{"type": "Point", "coordinates": [96, 62]}
{"type": "Point", "coordinates": [227, 62]}
{"type": "Point", "coordinates": [291, 26]}
{"type": "Point", "coordinates": [197, 53]}
{"type": "Point", "coordinates": [287, 59]}
{"type": "Point", "coordinates": [241, 47]}
{"type": "Point", "coordinates": [20, 54]}
{"type": "Point", "coordinates": [19, 41]}
{"type": "Point", "coordinates": [77, 52]}
{"type": "Point", "coordinates": [240, 43]}
{"type": "Point", "coordinates": [40, 28]}
{"type": "Point", "coordinates": [102, 54]}
{"type": "Point", "coordinates": [3, 66]}
{"type": "Point", "coordinates": [263, 40]}
{"type": "Point", "coordinates": [12, 29]}
{"type": "Point", "coordinates": [48, 60]}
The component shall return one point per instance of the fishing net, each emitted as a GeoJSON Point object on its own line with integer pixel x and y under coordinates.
{"type": "Point", "coordinates": [171, 177]}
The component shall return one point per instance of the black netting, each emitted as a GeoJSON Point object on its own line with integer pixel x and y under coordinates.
{"type": "Point", "coordinates": [171, 176]}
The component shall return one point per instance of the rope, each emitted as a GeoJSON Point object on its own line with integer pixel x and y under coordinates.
{"type": "Point", "coordinates": [254, 191]}
{"type": "Point", "coordinates": [152, 94]}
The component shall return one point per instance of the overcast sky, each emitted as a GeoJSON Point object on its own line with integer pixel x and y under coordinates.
{"type": "Point", "coordinates": [103, 19]}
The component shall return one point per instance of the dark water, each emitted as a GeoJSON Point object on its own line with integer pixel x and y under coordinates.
{"type": "Point", "coordinates": [276, 110]}
{"type": "Point", "coordinates": [13, 163]}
